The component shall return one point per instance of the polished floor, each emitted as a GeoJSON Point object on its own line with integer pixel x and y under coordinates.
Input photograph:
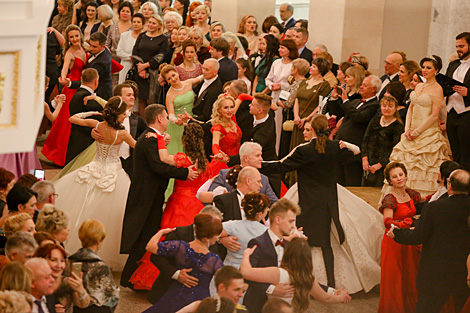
{"type": "Point", "coordinates": [131, 302]}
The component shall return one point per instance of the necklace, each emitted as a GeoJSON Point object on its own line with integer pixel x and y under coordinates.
{"type": "Point", "coordinates": [383, 122]}
{"type": "Point", "coordinates": [424, 85]}
{"type": "Point", "coordinates": [400, 194]}
{"type": "Point", "coordinates": [182, 87]}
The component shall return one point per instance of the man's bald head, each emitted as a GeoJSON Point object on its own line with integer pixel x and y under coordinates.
{"type": "Point", "coordinates": [249, 180]}
{"type": "Point", "coordinates": [459, 182]}
{"type": "Point", "coordinates": [392, 63]}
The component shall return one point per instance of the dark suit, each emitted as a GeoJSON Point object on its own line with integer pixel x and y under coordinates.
{"type": "Point", "coordinates": [445, 235]}
{"type": "Point", "coordinates": [50, 303]}
{"type": "Point", "coordinates": [145, 200]}
{"type": "Point", "coordinates": [228, 70]}
{"type": "Point", "coordinates": [318, 195]}
{"type": "Point", "coordinates": [167, 265]}
{"type": "Point", "coordinates": [356, 119]}
{"type": "Point", "coordinates": [80, 136]}
{"type": "Point", "coordinates": [137, 127]}
{"type": "Point", "coordinates": [221, 180]}
{"type": "Point", "coordinates": [289, 24]}
{"type": "Point", "coordinates": [307, 55]}
{"type": "Point", "coordinates": [382, 93]}
{"type": "Point", "coordinates": [52, 68]}
{"type": "Point", "coordinates": [102, 63]}
{"type": "Point", "coordinates": [228, 204]}
{"type": "Point", "coordinates": [244, 120]}
{"type": "Point", "coordinates": [202, 109]}
{"type": "Point", "coordinates": [458, 125]}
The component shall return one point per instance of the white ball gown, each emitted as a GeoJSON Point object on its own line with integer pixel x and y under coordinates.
{"type": "Point", "coordinates": [97, 191]}
{"type": "Point", "coordinates": [357, 260]}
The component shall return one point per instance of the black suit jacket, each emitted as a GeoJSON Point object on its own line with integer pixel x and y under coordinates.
{"type": "Point", "coordinates": [102, 63]}
{"type": "Point", "coordinates": [137, 127]}
{"type": "Point", "coordinates": [50, 303]}
{"type": "Point", "coordinates": [228, 70]}
{"type": "Point", "coordinates": [450, 72]}
{"type": "Point", "coordinates": [382, 93]}
{"type": "Point", "coordinates": [80, 136]}
{"type": "Point", "coordinates": [444, 233]}
{"type": "Point", "coordinates": [290, 24]}
{"type": "Point", "coordinates": [167, 265]}
{"type": "Point", "coordinates": [228, 204]}
{"type": "Point", "coordinates": [147, 192]}
{"type": "Point", "coordinates": [355, 121]}
{"type": "Point", "coordinates": [244, 120]}
{"type": "Point", "coordinates": [307, 55]}
{"type": "Point", "coordinates": [202, 109]}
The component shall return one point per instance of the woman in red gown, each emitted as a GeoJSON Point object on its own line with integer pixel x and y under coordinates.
{"type": "Point", "coordinates": [226, 135]}
{"type": "Point", "coordinates": [182, 206]}
{"type": "Point", "coordinates": [55, 147]}
{"type": "Point", "coordinates": [399, 263]}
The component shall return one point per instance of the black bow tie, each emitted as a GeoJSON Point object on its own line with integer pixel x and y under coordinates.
{"type": "Point", "coordinates": [281, 243]}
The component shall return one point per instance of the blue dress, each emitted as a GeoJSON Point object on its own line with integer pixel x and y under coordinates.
{"type": "Point", "coordinates": [203, 267]}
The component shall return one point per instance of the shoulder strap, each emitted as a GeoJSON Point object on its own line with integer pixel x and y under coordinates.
{"type": "Point", "coordinates": [318, 90]}
{"type": "Point", "coordinates": [115, 137]}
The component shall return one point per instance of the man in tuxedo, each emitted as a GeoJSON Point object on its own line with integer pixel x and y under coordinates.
{"type": "Point", "coordinates": [286, 11]}
{"type": "Point", "coordinates": [147, 191]}
{"type": "Point", "coordinates": [42, 286]}
{"type": "Point", "coordinates": [458, 104]}
{"type": "Point", "coordinates": [357, 115]}
{"type": "Point", "coordinates": [219, 50]}
{"type": "Point", "coordinates": [166, 265]}
{"type": "Point", "coordinates": [101, 61]}
{"type": "Point", "coordinates": [301, 38]}
{"type": "Point", "coordinates": [207, 93]}
{"type": "Point", "coordinates": [80, 136]}
{"type": "Point", "coordinates": [391, 68]}
{"type": "Point", "coordinates": [133, 124]}
{"type": "Point", "coordinates": [445, 235]}
{"type": "Point", "coordinates": [250, 155]}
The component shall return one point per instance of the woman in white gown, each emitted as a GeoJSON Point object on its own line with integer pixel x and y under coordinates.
{"type": "Point", "coordinates": [99, 189]}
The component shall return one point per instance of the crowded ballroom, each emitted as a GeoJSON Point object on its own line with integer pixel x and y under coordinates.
{"type": "Point", "coordinates": [224, 156]}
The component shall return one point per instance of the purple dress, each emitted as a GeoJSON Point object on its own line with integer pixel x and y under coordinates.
{"type": "Point", "coordinates": [204, 267]}
{"type": "Point", "coordinates": [21, 162]}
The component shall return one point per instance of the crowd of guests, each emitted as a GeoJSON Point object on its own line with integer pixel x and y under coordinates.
{"type": "Point", "coordinates": [241, 117]}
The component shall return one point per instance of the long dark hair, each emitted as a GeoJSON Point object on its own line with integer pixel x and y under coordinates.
{"type": "Point", "coordinates": [193, 140]}
{"type": "Point", "coordinates": [272, 47]}
{"type": "Point", "coordinates": [112, 110]}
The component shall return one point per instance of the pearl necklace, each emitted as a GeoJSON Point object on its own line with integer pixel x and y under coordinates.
{"type": "Point", "coordinates": [179, 88]}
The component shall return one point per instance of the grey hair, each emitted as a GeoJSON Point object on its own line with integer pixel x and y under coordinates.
{"type": "Point", "coordinates": [322, 47]}
{"type": "Point", "coordinates": [214, 62]}
{"type": "Point", "coordinates": [106, 12]}
{"type": "Point", "coordinates": [248, 147]}
{"type": "Point", "coordinates": [34, 264]}
{"type": "Point", "coordinates": [289, 7]}
{"type": "Point", "coordinates": [153, 6]}
{"type": "Point", "coordinates": [215, 24]}
{"type": "Point", "coordinates": [239, 86]}
{"type": "Point", "coordinates": [44, 189]}
{"type": "Point", "coordinates": [198, 31]}
{"type": "Point", "coordinates": [376, 82]}
{"type": "Point", "coordinates": [20, 240]}
{"type": "Point", "coordinates": [169, 15]}
{"type": "Point", "coordinates": [211, 209]}
{"type": "Point", "coordinates": [232, 38]}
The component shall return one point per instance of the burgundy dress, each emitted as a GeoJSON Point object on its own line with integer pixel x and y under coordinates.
{"type": "Point", "coordinates": [399, 263]}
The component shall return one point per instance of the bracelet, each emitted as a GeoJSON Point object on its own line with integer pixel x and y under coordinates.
{"type": "Point", "coordinates": [83, 297]}
{"type": "Point", "coordinates": [218, 239]}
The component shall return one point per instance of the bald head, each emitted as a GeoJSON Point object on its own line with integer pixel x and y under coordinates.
{"type": "Point", "coordinates": [392, 63]}
{"type": "Point", "coordinates": [249, 180]}
{"type": "Point", "coordinates": [459, 182]}
{"type": "Point", "coordinates": [210, 68]}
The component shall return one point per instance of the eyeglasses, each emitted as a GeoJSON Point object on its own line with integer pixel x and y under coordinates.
{"type": "Point", "coordinates": [56, 195]}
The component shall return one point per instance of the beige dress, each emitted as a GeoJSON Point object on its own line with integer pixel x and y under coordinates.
{"type": "Point", "coordinates": [422, 156]}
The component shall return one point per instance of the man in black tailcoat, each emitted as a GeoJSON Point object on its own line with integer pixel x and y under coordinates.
{"type": "Point", "coordinates": [444, 232]}
{"type": "Point", "coordinates": [147, 191]}
{"type": "Point", "coordinates": [80, 136]}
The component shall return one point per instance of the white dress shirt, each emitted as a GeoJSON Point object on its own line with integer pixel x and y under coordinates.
{"type": "Point", "coordinates": [387, 81]}
{"type": "Point", "coordinates": [456, 100]}
{"type": "Point", "coordinates": [124, 151]}
{"type": "Point", "coordinates": [43, 305]}
{"type": "Point", "coordinates": [240, 197]}
{"type": "Point", "coordinates": [206, 84]}
{"type": "Point", "coordinates": [260, 121]}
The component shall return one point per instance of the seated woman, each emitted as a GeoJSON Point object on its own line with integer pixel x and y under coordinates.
{"type": "Point", "coordinates": [68, 291]}
{"type": "Point", "coordinates": [194, 255]}
{"type": "Point", "coordinates": [54, 222]}
{"type": "Point", "coordinates": [296, 269]}
{"type": "Point", "coordinates": [19, 222]}
{"type": "Point", "coordinates": [255, 205]}
{"type": "Point", "coordinates": [97, 276]}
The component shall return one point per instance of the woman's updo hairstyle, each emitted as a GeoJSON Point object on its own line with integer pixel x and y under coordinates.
{"type": "Point", "coordinates": [193, 143]}
{"type": "Point", "coordinates": [165, 69]}
{"type": "Point", "coordinates": [112, 110]}
{"type": "Point", "coordinates": [319, 124]}
{"type": "Point", "coordinates": [392, 165]}
{"type": "Point", "coordinates": [207, 226]}
{"type": "Point", "coordinates": [435, 60]}
{"type": "Point", "coordinates": [232, 176]}
{"type": "Point", "coordinates": [254, 203]}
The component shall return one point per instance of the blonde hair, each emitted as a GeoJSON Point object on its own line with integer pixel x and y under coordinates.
{"type": "Point", "coordinates": [158, 18]}
{"type": "Point", "coordinates": [91, 232]}
{"type": "Point", "coordinates": [66, 37]}
{"type": "Point", "coordinates": [106, 12]}
{"type": "Point", "coordinates": [359, 74]}
{"type": "Point", "coordinates": [203, 7]}
{"type": "Point", "coordinates": [15, 276]}
{"type": "Point", "coordinates": [15, 301]}
{"type": "Point", "coordinates": [14, 223]}
{"type": "Point", "coordinates": [165, 69]}
{"type": "Point", "coordinates": [241, 27]}
{"type": "Point", "coordinates": [205, 43]}
{"type": "Point", "coordinates": [216, 116]}
{"type": "Point", "coordinates": [301, 65]}
{"type": "Point", "coordinates": [51, 220]}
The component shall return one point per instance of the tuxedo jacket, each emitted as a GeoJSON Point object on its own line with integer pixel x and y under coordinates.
{"type": "Point", "coordinates": [202, 108]}
{"type": "Point", "coordinates": [221, 180]}
{"type": "Point", "coordinates": [450, 72]}
{"type": "Point", "coordinates": [137, 127]}
{"type": "Point", "coordinates": [382, 93]}
{"type": "Point", "coordinates": [244, 120]}
{"type": "Point", "coordinates": [228, 70]}
{"type": "Point", "coordinates": [290, 24]}
{"type": "Point", "coordinates": [146, 193]}
{"type": "Point", "coordinates": [228, 204]}
{"type": "Point", "coordinates": [307, 55]}
{"type": "Point", "coordinates": [80, 136]}
{"type": "Point", "coordinates": [102, 63]}
{"type": "Point", "coordinates": [167, 266]}
{"type": "Point", "coordinates": [444, 234]}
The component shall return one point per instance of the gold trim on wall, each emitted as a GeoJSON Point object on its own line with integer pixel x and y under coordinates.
{"type": "Point", "coordinates": [14, 97]}
{"type": "Point", "coordinates": [38, 73]}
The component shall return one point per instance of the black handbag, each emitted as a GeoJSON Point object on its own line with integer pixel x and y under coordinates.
{"type": "Point", "coordinates": [131, 73]}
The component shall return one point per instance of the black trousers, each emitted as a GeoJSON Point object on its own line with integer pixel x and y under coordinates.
{"type": "Point", "coordinates": [350, 174]}
{"type": "Point", "coordinates": [430, 302]}
{"type": "Point", "coordinates": [458, 131]}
